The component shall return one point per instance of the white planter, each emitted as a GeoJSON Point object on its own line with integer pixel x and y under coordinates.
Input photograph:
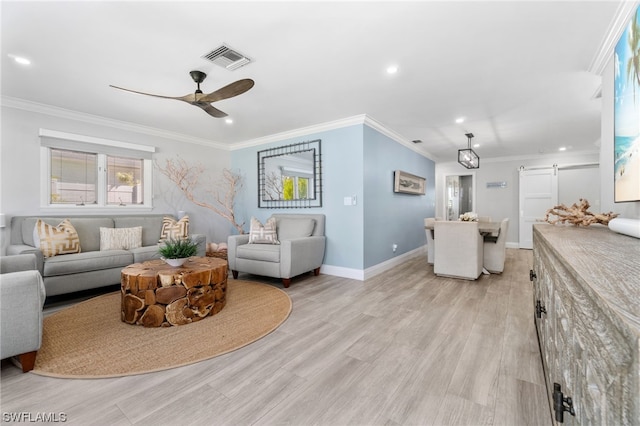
{"type": "Point", "coordinates": [175, 262]}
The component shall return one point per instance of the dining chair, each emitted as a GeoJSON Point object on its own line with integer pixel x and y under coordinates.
{"type": "Point", "coordinates": [428, 222]}
{"type": "Point", "coordinates": [458, 249]}
{"type": "Point", "coordinates": [494, 252]}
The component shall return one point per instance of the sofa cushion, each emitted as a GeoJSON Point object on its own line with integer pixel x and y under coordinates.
{"type": "Point", "coordinates": [142, 254]}
{"type": "Point", "coordinates": [85, 262]}
{"type": "Point", "coordinates": [29, 231]}
{"type": "Point", "coordinates": [88, 229]}
{"type": "Point", "coordinates": [54, 240]}
{"type": "Point", "coordinates": [120, 238]}
{"type": "Point", "coordinates": [263, 234]}
{"type": "Point", "coordinates": [263, 252]}
{"type": "Point", "coordinates": [174, 229]}
{"type": "Point", "coordinates": [289, 228]}
{"type": "Point", "coordinates": [151, 227]}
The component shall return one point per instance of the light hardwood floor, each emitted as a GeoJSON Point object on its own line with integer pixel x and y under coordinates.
{"type": "Point", "coordinates": [403, 348]}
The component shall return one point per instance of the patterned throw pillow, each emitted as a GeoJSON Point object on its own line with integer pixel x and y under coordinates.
{"type": "Point", "coordinates": [263, 234]}
{"type": "Point", "coordinates": [120, 238]}
{"type": "Point", "coordinates": [55, 240]}
{"type": "Point", "coordinates": [174, 229]}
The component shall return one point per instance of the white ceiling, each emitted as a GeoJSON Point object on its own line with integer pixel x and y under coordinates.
{"type": "Point", "coordinates": [520, 72]}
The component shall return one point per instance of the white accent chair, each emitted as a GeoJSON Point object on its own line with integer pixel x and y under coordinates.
{"type": "Point", "coordinates": [495, 249]}
{"type": "Point", "coordinates": [429, 221]}
{"type": "Point", "coordinates": [458, 249]}
{"type": "Point", "coordinates": [22, 296]}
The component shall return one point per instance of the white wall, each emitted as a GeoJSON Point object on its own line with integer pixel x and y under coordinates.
{"type": "Point", "coordinates": [501, 203]}
{"type": "Point", "coordinates": [20, 166]}
{"type": "Point", "coordinates": [627, 210]}
{"type": "Point", "coordinates": [584, 181]}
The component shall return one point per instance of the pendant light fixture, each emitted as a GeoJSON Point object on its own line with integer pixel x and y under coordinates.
{"type": "Point", "coordinates": [468, 157]}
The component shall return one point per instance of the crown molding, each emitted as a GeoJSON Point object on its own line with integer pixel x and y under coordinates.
{"type": "Point", "coordinates": [376, 125]}
{"type": "Point", "coordinates": [21, 104]}
{"type": "Point", "coordinates": [302, 131]}
{"type": "Point", "coordinates": [331, 125]}
{"type": "Point", "coordinates": [16, 103]}
{"type": "Point", "coordinates": [616, 28]}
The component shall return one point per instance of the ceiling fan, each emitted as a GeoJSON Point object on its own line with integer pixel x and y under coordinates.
{"type": "Point", "coordinates": [204, 101]}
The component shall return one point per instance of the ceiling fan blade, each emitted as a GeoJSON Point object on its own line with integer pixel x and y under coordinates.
{"type": "Point", "coordinates": [228, 91]}
{"type": "Point", "coordinates": [212, 111]}
{"type": "Point", "coordinates": [186, 98]}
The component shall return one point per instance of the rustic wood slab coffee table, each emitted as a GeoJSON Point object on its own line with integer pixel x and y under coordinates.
{"type": "Point", "coordinates": [155, 294]}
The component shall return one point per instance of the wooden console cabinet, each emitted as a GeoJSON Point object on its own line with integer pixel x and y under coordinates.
{"type": "Point", "coordinates": [587, 301]}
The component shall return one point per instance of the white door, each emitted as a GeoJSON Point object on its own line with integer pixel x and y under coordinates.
{"type": "Point", "coordinates": [538, 193]}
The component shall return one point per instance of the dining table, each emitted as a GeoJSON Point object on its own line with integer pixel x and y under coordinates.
{"type": "Point", "coordinates": [489, 230]}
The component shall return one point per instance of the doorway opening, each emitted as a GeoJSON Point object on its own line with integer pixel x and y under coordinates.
{"type": "Point", "coordinates": [459, 195]}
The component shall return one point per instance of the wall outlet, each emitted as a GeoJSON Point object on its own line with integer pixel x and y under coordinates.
{"type": "Point", "coordinates": [394, 247]}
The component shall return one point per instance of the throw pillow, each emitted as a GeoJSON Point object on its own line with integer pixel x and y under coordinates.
{"type": "Point", "coordinates": [263, 234]}
{"type": "Point", "coordinates": [120, 238]}
{"type": "Point", "coordinates": [55, 240]}
{"type": "Point", "coordinates": [174, 229]}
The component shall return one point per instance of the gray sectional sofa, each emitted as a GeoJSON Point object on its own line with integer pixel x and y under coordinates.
{"type": "Point", "coordinates": [91, 268]}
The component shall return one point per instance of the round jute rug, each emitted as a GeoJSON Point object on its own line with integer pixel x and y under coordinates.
{"type": "Point", "coordinates": [88, 340]}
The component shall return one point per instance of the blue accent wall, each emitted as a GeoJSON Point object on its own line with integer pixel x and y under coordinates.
{"type": "Point", "coordinates": [389, 217]}
{"type": "Point", "coordinates": [357, 161]}
{"type": "Point", "coordinates": [342, 171]}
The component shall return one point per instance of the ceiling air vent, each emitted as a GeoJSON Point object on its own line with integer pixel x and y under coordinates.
{"type": "Point", "coordinates": [226, 57]}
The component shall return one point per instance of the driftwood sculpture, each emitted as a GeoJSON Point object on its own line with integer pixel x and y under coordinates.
{"type": "Point", "coordinates": [577, 214]}
{"type": "Point", "coordinates": [223, 192]}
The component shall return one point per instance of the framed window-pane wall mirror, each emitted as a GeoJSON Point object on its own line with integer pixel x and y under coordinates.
{"type": "Point", "coordinates": [290, 176]}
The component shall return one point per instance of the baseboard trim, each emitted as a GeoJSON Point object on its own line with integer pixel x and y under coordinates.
{"type": "Point", "coordinates": [393, 262]}
{"type": "Point", "coordinates": [339, 271]}
{"type": "Point", "coordinates": [362, 275]}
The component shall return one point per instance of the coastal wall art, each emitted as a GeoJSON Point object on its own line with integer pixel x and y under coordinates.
{"type": "Point", "coordinates": [627, 113]}
{"type": "Point", "coordinates": [408, 183]}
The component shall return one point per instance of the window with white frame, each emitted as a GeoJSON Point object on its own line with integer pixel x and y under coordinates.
{"type": "Point", "coordinates": [86, 171]}
{"type": "Point", "coordinates": [296, 183]}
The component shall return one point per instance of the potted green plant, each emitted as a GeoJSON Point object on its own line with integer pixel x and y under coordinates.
{"type": "Point", "coordinates": [176, 252]}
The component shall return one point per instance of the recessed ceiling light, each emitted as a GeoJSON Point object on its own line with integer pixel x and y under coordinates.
{"type": "Point", "coordinates": [476, 145]}
{"type": "Point", "coordinates": [460, 120]}
{"type": "Point", "coordinates": [392, 69]}
{"type": "Point", "coordinates": [20, 59]}
{"type": "Point", "coordinates": [562, 148]}
{"type": "Point", "coordinates": [229, 121]}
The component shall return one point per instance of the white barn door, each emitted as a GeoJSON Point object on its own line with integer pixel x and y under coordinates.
{"type": "Point", "coordinates": [538, 193]}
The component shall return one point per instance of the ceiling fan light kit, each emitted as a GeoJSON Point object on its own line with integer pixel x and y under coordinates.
{"type": "Point", "coordinates": [203, 101]}
{"type": "Point", "coordinates": [468, 157]}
